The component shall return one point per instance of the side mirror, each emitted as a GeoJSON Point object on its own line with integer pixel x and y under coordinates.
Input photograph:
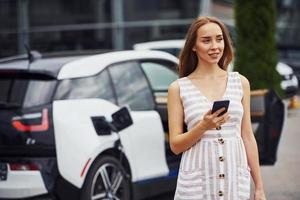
{"type": "Point", "coordinates": [121, 119]}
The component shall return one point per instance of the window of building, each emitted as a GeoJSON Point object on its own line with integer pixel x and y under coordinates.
{"type": "Point", "coordinates": [65, 12]}
{"type": "Point", "coordinates": [160, 9]}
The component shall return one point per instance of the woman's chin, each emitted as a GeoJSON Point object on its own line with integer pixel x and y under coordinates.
{"type": "Point", "coordinates": [211, 61]}
{"type": "Point", "coordinates": [214, 62]}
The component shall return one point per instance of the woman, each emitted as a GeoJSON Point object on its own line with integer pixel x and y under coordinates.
{"type": "Point", "coordinates": [217, 150]}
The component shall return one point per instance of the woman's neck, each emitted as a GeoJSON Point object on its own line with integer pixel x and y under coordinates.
{"type": "Point", "coordinates": [207, 70]}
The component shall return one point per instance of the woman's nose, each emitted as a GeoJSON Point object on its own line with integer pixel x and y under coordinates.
{"type": "Point", "coordinates": [214, 44]}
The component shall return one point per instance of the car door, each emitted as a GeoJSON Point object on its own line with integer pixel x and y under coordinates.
{"type": "Point", "coordinates": [160, 74]}
{"type": "Point", "coordinates": [146, 138]}
{"type": "Point", "coordinates": [75, 102]}
{"type": "Point", "coordinates": [268, 116]}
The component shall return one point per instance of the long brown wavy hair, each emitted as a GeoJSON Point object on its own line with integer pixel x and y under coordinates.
{"type": "Point", "coordinates": [188, 59]}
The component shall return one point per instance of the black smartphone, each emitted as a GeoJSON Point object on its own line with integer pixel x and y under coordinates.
{"type": "Point", "coordinates": [220, 104]}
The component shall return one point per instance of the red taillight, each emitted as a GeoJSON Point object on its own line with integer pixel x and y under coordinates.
{"type": "Point", "coordinates": [23, 167]}
{"type": "Point", "coordinates": [43, 126]}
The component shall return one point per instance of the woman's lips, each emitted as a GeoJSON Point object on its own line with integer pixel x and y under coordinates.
{"type": "Point", "coordinates": [214, 55]}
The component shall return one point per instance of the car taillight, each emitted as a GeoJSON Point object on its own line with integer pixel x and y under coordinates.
{"type": "Point", "coordinates": [23, 167]}
{"type": "Point", "coordinates": [32, 122]}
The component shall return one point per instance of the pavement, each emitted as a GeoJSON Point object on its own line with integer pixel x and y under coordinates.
{"type": "Point", "coordinates": [282, 181]}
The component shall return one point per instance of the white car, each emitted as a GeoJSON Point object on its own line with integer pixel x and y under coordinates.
{"type": "Point", "coordinates": [64, 131]}
{"type": "Point", "coordinates": [289, 82]}
{"type": "Point", "coordinates": [53, 138]}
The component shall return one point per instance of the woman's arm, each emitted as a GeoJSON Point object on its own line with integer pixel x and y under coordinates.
{"type": "Point", "coordinates": [179, 141]}
{"type": "Point", "coordinates": [248, 137]}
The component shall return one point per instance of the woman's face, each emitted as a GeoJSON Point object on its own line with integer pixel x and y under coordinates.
{"type": "Point", "coordinates": [209, 44]}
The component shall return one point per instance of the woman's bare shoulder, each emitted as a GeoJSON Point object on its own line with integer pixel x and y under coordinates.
{"type": "Point", "coordinates": [173, 87]}
{"type": "Point", "coordinates": [245, 81]}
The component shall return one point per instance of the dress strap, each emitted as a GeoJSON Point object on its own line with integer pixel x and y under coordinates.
{"type": "Point", "coordinates": [236, 83]}
{"type": "Point", "coordinates": [182, 83]}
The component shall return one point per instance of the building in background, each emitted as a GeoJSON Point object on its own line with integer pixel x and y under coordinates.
{"type": "Point", "coordinates": [68, 25]}
{"type": "Point", "coordinates": [61, 25]}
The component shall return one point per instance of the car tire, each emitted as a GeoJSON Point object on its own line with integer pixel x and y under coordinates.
{"type": "Point", "coordinates": [106, 180]}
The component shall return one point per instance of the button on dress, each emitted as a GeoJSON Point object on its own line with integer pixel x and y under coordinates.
{"type": "Point", "coordinates": [216, 166]}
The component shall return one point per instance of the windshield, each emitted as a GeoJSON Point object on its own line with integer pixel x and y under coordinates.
{"type": "Point", "coordinates": [25, 92]}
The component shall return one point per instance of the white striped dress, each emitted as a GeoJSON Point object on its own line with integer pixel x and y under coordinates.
{"type": "Point", "coordinates": [216, 166]}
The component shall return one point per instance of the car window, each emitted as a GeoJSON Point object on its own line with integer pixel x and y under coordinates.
{"type": "Point", "coordinates": [131, 86]}
{"type": "Point", "coordinates": [159, 74]}
{"type": "Point", "coordinates": [98, 86]}
{"type": "Point", "coordinates": [25, 92]}
{"type": "Point", "coordinates": [39, 92]}
{"type": "Point", "coordinates": [12, 91]}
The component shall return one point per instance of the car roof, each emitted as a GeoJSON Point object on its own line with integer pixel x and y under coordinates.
{"type": "Point", "coordinates": [92, 65]}
{"type": "Point", "coordinates": [76, 66]}
{"type": "Point", "coordinates": [49, 65]}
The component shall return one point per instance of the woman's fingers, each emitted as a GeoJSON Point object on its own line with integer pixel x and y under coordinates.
{"type": "Point", "coordinates": [213, 120]}
{"type": "Point", "coordinates": [222, 119]}
{"type": "Point", "coordinates": [215, 114]}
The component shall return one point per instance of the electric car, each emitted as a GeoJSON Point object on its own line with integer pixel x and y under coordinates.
{"type": "Point", "coordinates": [52, 138]}
{"type": "Point", "coordinates": [94, 126]}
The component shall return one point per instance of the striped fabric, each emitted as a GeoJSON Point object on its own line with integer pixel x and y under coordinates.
{"type": "Point", "coordinates": [216, 166]}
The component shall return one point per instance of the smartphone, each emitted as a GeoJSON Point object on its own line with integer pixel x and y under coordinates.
{"type": "Point", "coordinates": [220, 104]}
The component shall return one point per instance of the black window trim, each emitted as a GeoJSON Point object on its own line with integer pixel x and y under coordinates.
{"type": "Point", "coordinates": [112, 84]}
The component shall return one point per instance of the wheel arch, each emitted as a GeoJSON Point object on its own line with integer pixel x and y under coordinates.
{"type": "Point", "coordinates": [116, 153]}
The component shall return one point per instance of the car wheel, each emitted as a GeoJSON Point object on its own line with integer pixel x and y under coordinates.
{"type": "Point", "coordinates": [106, 180]}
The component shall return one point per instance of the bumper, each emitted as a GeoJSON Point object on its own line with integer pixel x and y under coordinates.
{"type": "Point", "coordinates": [290, 91]}
{"type": "Point", "coordinates": [290, 87]}
{"type": "Point", "coordinates": [21, 184]}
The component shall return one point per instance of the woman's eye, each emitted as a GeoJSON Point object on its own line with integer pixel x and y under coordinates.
{"type": "Point", "coordinates": [219, 39]}
{"type": "Point", "coordinates": [206, 41]}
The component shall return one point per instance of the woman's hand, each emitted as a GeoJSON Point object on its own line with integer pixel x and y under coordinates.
{"type": "Point", "coordinates": [259, 194]}
{"type": "Point", "coordinates": [212, 121]}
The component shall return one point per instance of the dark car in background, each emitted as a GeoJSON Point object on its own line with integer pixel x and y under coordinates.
{"type": "Point", "coordinates": [291, 56]}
